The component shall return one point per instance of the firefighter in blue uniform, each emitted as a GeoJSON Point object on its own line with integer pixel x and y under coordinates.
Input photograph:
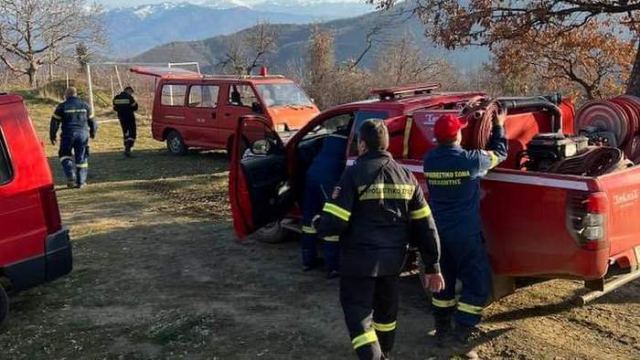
{"type": "Point", "coordinates": [75, 118]}
{"type": "Point", "coordinates": [126, 106]}
{"type": "Point", "coordinates": [322, 176]}
{"type": "Point", "coordinates": [453, 179]}
{"type": "Point", "coordinates": [377, 209]}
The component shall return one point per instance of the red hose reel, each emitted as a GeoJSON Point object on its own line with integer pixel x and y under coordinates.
{"type": "Point", "coordinates": [620, 116]}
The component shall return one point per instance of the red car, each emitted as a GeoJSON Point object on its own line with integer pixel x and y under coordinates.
{"type": "Point", "coordinates": [34, 247]}
{"type": "Point", "coordinates": [535, 223]}
{"type": "Point", "coordinates": [202, 111]}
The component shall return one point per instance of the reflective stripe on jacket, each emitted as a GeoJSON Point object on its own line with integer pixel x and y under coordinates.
{"type": "Point", "coordinates": [378, 209]}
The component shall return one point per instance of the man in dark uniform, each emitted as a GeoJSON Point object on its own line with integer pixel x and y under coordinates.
{"type": "Point", "coordinates": [75, 118]}
{"type": "Point", "coordinates": [322, 176]}
{"type": "Point", "coordinates": [378, 209]}
{"type": "Point", "coordinates": [453, 179]}
{"type": "Point", "coordinates": [126, 106]}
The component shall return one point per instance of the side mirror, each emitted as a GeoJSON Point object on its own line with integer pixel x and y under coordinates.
{"type": "Point", "coordinates": [260, 147]}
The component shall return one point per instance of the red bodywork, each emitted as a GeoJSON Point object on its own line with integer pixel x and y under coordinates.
{"type": "Point", "coordinates": [34, 247]}
{"type": "Point", "coordinates": [529, 218]}
{"type": "Point", "coordinates": [212, 126]}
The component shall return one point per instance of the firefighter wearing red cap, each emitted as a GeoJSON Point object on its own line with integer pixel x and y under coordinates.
{"type": "Point", "coordinates": [453, 179]}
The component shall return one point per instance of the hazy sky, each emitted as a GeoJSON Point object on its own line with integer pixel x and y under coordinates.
{"type": "Point", "coordinates": [116, 3]}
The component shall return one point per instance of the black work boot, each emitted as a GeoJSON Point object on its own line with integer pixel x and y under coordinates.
{"type": "Point", "coordinates": [71, 182]}
{"type": "Point", "coordinates": [463, 340]}
{"type": "Point", "coordinates": [443, 330]}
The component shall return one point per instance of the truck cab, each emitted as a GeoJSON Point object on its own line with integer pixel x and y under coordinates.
{"type": "Point", "coordinates": [537, 224]}
{"type": "Point", "coordinates": [34, 246]}
{"type": "Point", "coordinates": [192, 110]}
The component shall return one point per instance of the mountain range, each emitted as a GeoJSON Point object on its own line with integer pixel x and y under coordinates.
{"type": "Point", "coordinates": [132, 30]}
{"type": "Point", "coordinates": [350, 40]}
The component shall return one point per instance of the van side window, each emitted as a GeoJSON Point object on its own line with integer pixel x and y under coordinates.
{"type": "Point", "coordinates": [242, 95]}
{"type": "Point", "coordinates": [5, 166]}
{"type": "Point", "coordinates": [203, 96]}
{"type": "Point", "coordinates": [173, 95]}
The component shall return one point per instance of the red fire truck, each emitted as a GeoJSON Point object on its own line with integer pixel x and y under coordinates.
{"type": "Point", "coordinates": [34, 247]}
{"type": "Point", "coordinates": [537, 224]}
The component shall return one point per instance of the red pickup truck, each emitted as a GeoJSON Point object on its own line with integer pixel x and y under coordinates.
{"type": "Point", "coordinates": [537, 224]}
{"type": "Point", "coordinates": [34, 247]}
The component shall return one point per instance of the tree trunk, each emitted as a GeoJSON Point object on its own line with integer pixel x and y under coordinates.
{"type": "Point", "coordinates": [633, 85]}
{"type": "Point", "coordinates": [31, 73]}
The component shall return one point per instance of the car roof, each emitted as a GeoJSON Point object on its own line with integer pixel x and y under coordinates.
{"type": "Point", "coordinates": [182, 75]}
{"type": "Point", "coordinates": [410, 103]}
{"type": "Point", "coordinates": [9, 98]}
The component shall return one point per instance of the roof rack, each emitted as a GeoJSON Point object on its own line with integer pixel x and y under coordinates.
{"type": "Point", "coordinates": [251, 77]}
{"type": "Point", "coordinates": [405, 91]}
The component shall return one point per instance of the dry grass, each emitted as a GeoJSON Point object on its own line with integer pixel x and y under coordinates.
{"type": "Point", "coordinates": [158, 275]}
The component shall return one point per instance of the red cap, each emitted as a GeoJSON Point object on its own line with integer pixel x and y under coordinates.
{"type": "Point", "coordinates": [447, 127]}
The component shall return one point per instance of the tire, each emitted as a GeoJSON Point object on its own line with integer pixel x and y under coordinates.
{"type": "Point", "coordinates": [273, 233]}
{"type": "Point", "coordinates": [175, 144]}
{"type": "Point", "coordinates": [4, 305]}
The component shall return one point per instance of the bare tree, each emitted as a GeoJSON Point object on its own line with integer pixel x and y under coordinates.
{"type": "Point", "coordinates": [404, 62]}
{"type": "Point", "coordinates": [249, 51]}
{"type": "Point", "coordinates": [39, 32]}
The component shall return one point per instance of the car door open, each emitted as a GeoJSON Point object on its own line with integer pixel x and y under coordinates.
{"type": "Point", "coordinates": [258, 183]}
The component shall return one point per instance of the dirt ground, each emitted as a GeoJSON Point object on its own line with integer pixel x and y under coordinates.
{"type": "Point", "coordinates": [158, 274]}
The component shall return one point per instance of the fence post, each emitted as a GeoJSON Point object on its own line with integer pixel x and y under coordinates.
{"type": "Point", "coordinates": [90, 87]}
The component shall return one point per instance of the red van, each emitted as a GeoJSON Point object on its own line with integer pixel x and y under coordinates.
{"type": "Point", "coordinates": [202, 111]}
{"type": "Point", "coordinates": [537, 224]}
{"type": "Point", "coordinates": [34, 247]}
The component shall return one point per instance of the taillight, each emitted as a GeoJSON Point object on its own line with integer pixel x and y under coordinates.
{"type": "Point", "coordinates": [50, 209]}
{"type": "Point", "coordinates": [588, 219]}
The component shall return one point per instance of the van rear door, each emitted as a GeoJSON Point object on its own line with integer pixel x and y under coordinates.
{"type": "Point", "coordinates": [536, 224]}
{"type": "Point", "coordinates": [259, 189]}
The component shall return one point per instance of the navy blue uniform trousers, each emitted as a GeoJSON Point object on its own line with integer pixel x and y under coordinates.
{"type": "Point", "coordinates": [74, 155]}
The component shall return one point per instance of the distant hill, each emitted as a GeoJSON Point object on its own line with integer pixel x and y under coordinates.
{"type": "Point", "coordinates": [351, 35]}
{"type": "Point", "coordinates": [132, 30]}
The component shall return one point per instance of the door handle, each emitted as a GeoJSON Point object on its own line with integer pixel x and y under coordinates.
{"type": "Point", "coordinates": [227, 114]}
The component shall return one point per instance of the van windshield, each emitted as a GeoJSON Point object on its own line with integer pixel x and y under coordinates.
{"type": "Point", "coordinates": [283, 95]}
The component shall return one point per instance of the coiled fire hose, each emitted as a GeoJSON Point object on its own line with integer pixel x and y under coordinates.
{"type": "Point", "coordinates": [481, 111]}
{"type": "Point", "coordinates": [594, 162]}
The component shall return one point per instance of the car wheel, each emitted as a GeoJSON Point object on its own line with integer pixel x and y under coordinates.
{"type": "Point", "coordinates": [175, 144]}
{"type": "Point", "coordinates": [4, 305]}
{"type": "Point", "coordinates": [272, 233]}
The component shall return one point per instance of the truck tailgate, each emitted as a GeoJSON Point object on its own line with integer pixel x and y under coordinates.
{"type": "Point", "coordinates": [527, 220]}
{"type": "Point", "coordinates": [623, 190]}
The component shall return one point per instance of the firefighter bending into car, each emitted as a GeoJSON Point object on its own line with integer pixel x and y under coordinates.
{"type": "Point", "coordinates": [322, 176]}
{"type": "Point", "coordinates": [75, 118]}
{"type": "Point", "coordinates": [453, 180]}
{"type": "Point", "coordinates": [378, 209]}
{"type": "Point", "coordinates": [126, 106]}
